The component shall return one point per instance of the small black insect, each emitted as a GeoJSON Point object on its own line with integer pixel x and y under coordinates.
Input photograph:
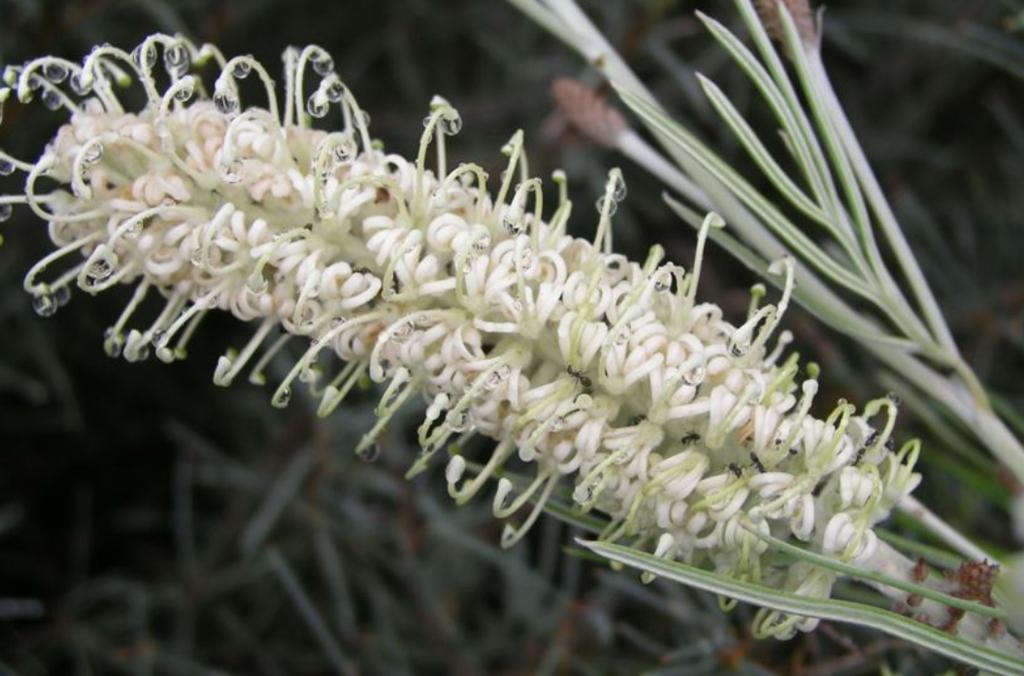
{"type": "Point", "coordinates": [890, 444]}
{"type": "Point", "coordinates": [637, 419]}
{"type": "Point", "coordinates": [860, 456]}
{"type": "Point", "coordinates": [817, 489]}
{"type": "Point", "coordinates": [756, 461]}
{"type": "Point", "coordinates": [793, 451]}
{"type": "Point", "coordinates": [690, 438]}
{"type": "Point", "coordinates": [735, 469]}
{"type": "Point", "coordinates": [583, 379]}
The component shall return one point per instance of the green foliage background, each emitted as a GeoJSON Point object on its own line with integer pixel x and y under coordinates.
{"type": "Point", "coordinates": [152, 523]}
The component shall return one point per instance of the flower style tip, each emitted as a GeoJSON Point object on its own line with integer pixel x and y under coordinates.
{"type": "Point", "coordinates": [679, 425]}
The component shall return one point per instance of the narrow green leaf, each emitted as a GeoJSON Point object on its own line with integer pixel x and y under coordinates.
{"type": "Point", "coordinates": [769, 213]}
{"type": "Point", "coordinates": [862, 574]}
{"type": "Point", "coordinates": [804, 145]}
{"type": "Point", "coordinates": [759, 153]}
{"type": "Point", "coordinates": [307, 611]}
{"type": "Point", "coordinates": [817, 163]}
{"type": "Point", "coordinates": [840, 611]}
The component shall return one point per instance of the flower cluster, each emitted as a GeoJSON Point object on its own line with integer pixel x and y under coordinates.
{"type": "Point", "coordinates": [694, 435]}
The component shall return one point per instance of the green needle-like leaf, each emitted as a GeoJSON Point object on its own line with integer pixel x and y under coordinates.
{"type": "Point", "coordinates": [840, 611]}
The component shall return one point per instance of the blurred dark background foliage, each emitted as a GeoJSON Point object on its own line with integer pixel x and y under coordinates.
{"type": "Point", "coordinates": [153, 523]}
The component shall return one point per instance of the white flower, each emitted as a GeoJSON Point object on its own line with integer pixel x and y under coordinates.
{"type": "Point", "coordinates": [685, 429]}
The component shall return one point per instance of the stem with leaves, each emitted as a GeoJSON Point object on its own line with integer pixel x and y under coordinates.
{"type": "Point", "coordinates": [895, 317]}
{"type": "Point", "coordinates": [842, 196]}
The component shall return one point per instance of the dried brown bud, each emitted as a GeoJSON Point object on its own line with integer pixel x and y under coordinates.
{"type": "Point", "coordinates": [588, 112]}
{"type": "Point", "coordinates": [920, 571]}
{"type": "Point", "coordinates": [975, 580]}
{"type": "Point", "coordinates": [953, 617]}
{"type": "Point", "coordinates": [800, 10]}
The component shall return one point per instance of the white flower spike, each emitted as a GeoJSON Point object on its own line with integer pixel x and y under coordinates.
{"type": "Point", "coordinates": [685, 429]}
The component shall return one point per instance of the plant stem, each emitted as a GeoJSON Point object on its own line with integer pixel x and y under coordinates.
{"type": "Point", "coordinates": [933, 522]}
{"type": "Point", "coordinates": [886, 217]}
{"type": "Point", "coordinates": [981, 420]}
{"type": "Point", "coordinates": [635, 148]}
{"type": "Point", "coordinates": [889, 561]}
